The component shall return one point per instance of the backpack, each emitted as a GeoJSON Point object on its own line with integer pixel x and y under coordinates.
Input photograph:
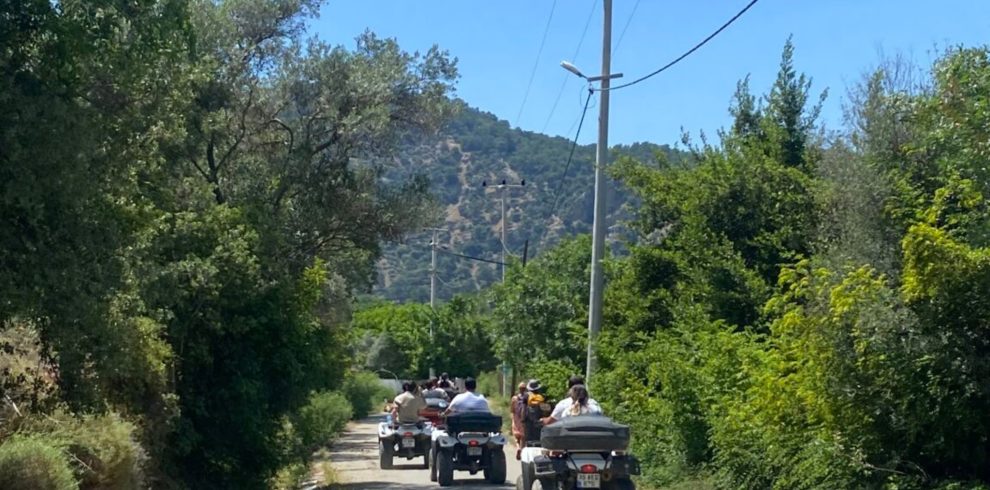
{"type": "Point", "coordinates": [534, 407]}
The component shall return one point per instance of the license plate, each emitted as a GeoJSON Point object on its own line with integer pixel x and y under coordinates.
{"type": "Point", "coordinates": [589, 480]}
{"type": "Point", "coordinates": [474, 451]}
{"type": "Point", "coordinates": [408, 442]}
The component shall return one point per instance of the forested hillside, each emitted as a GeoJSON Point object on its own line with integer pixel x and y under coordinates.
{"type": "Point", "coordinates": [475, 147]}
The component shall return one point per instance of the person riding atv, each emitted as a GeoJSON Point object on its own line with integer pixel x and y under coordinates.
{"type": "Point", "coordinates": [447, 385]}
{"type": "Point", "coordinates": [470, 440]}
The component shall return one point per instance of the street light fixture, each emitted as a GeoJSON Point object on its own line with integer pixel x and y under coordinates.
{"type": "Point", "coordinates": [573, 69]}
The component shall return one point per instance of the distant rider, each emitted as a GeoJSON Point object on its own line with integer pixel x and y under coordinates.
{"type": "Point", "coordinates": [444, 382]}
{"type": "Point", "coordinates": [433, 391]}
{"type": "Point", "coordinates": [469, 401]}
{"type": "Point", "coordinates": [407, 405]}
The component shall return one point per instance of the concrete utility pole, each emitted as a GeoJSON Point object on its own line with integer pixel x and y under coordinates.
{"type": "Point", "coordinates": [502, 188]}
{"type": "Point", "coordinates": [601, 159]}
{"type": "Point", "coordinates": [434, 243]}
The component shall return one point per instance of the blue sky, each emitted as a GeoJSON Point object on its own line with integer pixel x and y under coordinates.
{"type": "Point", "coordinates": [496, 43]}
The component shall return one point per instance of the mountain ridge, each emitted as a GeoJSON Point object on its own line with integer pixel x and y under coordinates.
{"type": "Point", "coordinates": [476, 147]}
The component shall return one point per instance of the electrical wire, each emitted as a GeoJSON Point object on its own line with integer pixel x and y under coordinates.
{"type": "Point", "coordinates": [570, 158]}
{"type": "Point", "coordinates": [445, 283]}
{"type": "Point", "coordinates": [479, 259]}
{"type": "Point", "coordinates": [567, 76]}
{"type": "Point", "coordinates": [623, 34]}
{"type": "Point", "coordinates": [686, 53]}
{"type": "Point", "coordinates": [536, 64]}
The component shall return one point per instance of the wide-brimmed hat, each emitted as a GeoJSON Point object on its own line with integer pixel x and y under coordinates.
{"type": "Point", "coordinates": [534, 385]}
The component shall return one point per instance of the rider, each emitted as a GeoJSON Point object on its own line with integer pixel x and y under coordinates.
{"type": "Point", "coordinates": [565, 404]}
{"type": "Point", "coordinates": [581, 403]}
{"type": "Point", "coordinates": [444, 382]}
{"type": "Point", "coordinates": [407, 405]}
{"type": "Point", "coordinates": [432, 391]}
{"type": "Point", "coordinates": [469, 401]}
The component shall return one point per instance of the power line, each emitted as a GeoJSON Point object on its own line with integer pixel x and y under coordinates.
{"type": "Point", "coordinates": [567, 166]}
{"type": "Point", "coordinates": [567, 77]}
{"type": "Point", "coordinates": [479, 259]}
{"type": "Point", "coordinates": [688, 52]}
{"type": "Point", "coordinates": [623, 33]}
{"type": "Point", "coordinates": [539, 52]}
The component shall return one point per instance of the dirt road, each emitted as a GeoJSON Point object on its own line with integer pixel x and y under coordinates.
{"type": "Point", "coordinates": [354, 458]}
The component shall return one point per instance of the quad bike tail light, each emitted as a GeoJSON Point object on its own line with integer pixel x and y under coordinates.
{"type": "Point", "coordinates": [589, 468]}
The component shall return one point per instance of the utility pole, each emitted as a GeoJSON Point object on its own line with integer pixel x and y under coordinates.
{"type": "Point", "coordinates": [502, 188]}
{"type": "Point", "coordinates": [434, 243]}
{"type": "Point", "coordinates": [598, 228]}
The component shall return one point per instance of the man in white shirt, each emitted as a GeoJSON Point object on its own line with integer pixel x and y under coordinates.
{"type": "Point", "coordinates": [469, 401]}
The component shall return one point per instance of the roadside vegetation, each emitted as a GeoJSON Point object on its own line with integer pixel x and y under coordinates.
{"type": "Point", "coordinates": [799, 308]}
{"type": "Point", "coordinates": [193, 195]}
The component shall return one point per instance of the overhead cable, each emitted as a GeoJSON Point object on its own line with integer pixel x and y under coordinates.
{"type": "Point", "coordinates": [536, 64]}
{"type": "Point", "coordinates": [567, 166]}
{"type": "Point", "coordinates": [567, 77]}
{"type": "Point", "coordinates": [479, 259]}
{"type": "Point", "coordinates": [686, 53]}
{"type": "Point", "coordinates": [623, 34]}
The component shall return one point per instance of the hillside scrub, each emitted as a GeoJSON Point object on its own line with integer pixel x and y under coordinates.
{"type": "Point", "coordinates": [33, 463]}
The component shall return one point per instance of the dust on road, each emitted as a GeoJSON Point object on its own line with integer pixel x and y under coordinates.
{"type": "Point", "coordinates": [354, 458]}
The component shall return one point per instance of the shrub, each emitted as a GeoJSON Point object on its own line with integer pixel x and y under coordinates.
{"type": "Point", "coordinates": [110, 457]}
{"type": "Point", "coordinates": [322, 419]}
{"type": "Point", "coordinates": [33, 463]}
{"type": "Point", "coordinates": [553, 375]}
{"type": "Point", "coordinates": [488, 384]}
{"type": "Point", "coordinates": [364, 392]}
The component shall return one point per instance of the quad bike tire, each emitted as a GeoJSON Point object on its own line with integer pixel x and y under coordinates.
{"type": "Point", "coordinates": [385, 455]}
{"type": "Point", "coordinates": [445, 468]}
{"type": "Point", "coordinates": [527, 477]}
{"type": "Point", "coordinates": [495, 471]}
{"type": "Point", "coordinates": [432, 458]}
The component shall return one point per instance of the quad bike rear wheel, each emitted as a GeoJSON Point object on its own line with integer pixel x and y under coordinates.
{"type": "Point", "coordinates": [384, 455]}
{"type": "Point", "coordinates": [495, 472]}
{"type": "Point", "coordinates": [445, 467]}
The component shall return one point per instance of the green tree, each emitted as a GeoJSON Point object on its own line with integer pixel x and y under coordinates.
{"type": "Point", "coordinates": [540, 310]}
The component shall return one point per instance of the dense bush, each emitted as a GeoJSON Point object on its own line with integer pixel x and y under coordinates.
{"type": "Point", "coordinates": [364, 392]}
{"type": "Point", "coordinates": [489, 383]}
{"type": "Point", "coordinates": [105, 448]}
{"type": "Point", "coordinates": [553, 375]}
{"type": "Point", "coordinates": [34, 463]}
{"type": "Point", "coordinates": [779, 323]}
{"type": "Point", "coordinates": [322, 419]}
